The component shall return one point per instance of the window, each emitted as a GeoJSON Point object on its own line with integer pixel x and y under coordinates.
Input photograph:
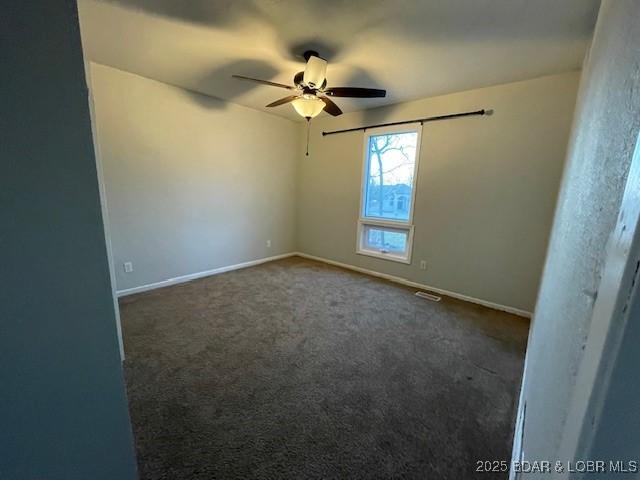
{"type": "Point", "coordinates": [385, 226]}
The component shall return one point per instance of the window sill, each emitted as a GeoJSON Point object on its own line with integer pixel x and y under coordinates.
{"type": "Point", "coordinates": [384, 256]}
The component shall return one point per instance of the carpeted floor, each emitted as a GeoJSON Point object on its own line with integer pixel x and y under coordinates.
{"type": "Point", "coordinates": [295, 369]}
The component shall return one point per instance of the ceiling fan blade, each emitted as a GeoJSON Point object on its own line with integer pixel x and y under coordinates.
{"type": "Point", "coordinates": [264, 82]}
{"type": "Point", "coordinates": [282, 101]}
{"type": "Point", "coordinates": [355, 92]}
{"type": "Point", "coordinates": [330, 107]}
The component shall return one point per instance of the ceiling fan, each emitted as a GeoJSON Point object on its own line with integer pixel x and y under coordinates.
{"type": "Point", "coordinates": [311, 93]}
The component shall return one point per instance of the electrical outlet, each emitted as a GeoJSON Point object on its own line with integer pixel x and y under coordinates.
{"type": "Point", "coordinates": [423, 264]}
{"type": "Point", "coordinates": [268, 243]}
{"type": "Point", "coordinates": [128, 267]}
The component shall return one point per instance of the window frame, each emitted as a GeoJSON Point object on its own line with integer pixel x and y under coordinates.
{"type": "Point", "coordinates": [364, 221]}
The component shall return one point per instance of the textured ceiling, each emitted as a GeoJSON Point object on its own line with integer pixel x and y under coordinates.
{"type": "Point", "coordinates": [412, 48]}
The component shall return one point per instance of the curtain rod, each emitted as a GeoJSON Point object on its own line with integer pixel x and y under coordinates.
{"type": "Point", "coordinates": [418, 120]}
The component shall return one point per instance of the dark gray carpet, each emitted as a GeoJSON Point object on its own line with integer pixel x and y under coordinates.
{"type": "Point", "coordinates": [295, 369]}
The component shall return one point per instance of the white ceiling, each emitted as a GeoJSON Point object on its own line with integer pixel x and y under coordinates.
{"type": "Point", "coordinates": [412, 48]}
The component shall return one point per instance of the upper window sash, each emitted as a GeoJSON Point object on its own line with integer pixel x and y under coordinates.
{"type": "Point", "coordinates": [401, 199]}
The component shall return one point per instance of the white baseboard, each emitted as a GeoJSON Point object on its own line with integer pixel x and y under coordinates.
{"type": "Point", "coordinates": [194, 276]}
{"type": "Point", "coordinates": [409, 283]}
{"type": "Point", "coordinates": [392, 278]}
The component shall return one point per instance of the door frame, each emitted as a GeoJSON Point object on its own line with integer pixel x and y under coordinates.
{"type": "Point", "coordinates": [103, 207]}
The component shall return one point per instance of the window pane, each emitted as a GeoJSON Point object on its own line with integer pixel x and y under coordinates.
{"type": "Point", "coordinates": [387, 240]}
{"type": "Point", "coordinates": [389, 175]}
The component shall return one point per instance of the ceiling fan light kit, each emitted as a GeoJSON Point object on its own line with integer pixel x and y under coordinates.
{"type": "Point", "coordinates": [308, 106]}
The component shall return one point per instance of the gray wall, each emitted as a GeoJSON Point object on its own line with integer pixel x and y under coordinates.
{"type": "Point", "coordinates": [192, 183]}
{"type": "Point", "coordinates": [486, 189]}
{"type": "Point", "coordinates": [601, 147]}
{"type": "Point", "coordinates": [63, 409]}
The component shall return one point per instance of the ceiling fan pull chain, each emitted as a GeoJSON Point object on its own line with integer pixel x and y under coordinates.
{"type": "Point", "coordinates": [308, 123]}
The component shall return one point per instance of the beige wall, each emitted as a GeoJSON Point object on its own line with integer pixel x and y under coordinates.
{"type": "Point", "coordinates": [192, 183]}
{"type": "Point", "coordinates": [486, 188]}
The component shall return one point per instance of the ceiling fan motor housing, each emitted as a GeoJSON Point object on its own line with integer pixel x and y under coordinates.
{"type": "Point", "coordinates": [298, 81]}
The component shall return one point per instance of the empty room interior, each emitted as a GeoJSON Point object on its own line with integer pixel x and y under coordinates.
{"type": "Point", "coordinates": [301, 239]}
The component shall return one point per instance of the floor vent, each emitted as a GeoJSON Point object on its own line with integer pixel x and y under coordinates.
{"type": "Point", "coordinates": [428, 296]}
